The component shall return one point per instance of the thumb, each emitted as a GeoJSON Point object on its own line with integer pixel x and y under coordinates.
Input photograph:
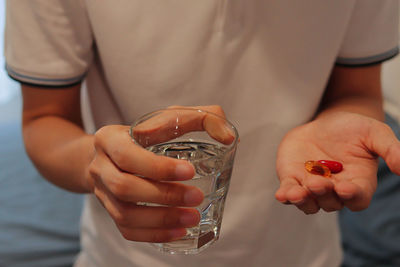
{"type": "Point", "coordinates": [176, 121]}
{"type": "Point", "coordinates": [383, 141]}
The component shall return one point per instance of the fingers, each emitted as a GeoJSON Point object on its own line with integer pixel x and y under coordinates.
{"type": "Point", "coordinates": [147, 224]}
{"type": "Point", "coordinates": [291, 192]}
{"type": "Point", "coordinates": [130, 215]}
{"type": "Point", "coordinates": [330, 195]}
{"type": "Point", "coordinates": [130, 188]}
{"type": "Point", "coordinates": [217, 128]}
{"type": "Point", "coordinates": [309, 206]}
{"type": "Point", "coordinates": [115, 170]}
{"type": "Point", "coordinates": [116, 143]}
{"type": "Point", "coordinates": [382, 141]}
{"type": "Point", "coordinates": [172, 123]}
{"type": "Point", "coordinates": [152, 235]}
{"type": "Point", "coordinates": [324, 194]}
{"type": "Point", "coordinates": [311, 195]}
{"type": "Point", "coordinates": [354, 196]}
{"type": "Point", "coordinates": [298, 196]}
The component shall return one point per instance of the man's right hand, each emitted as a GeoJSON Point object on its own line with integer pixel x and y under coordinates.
{"type": "Point", "coordinates": [123, 174]}
{"type": "Point", "coordinates": [109, 164]}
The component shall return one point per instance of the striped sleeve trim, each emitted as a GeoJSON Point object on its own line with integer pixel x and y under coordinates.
{"type": "Point", "coordinates": [366, 61]}
{"type": "Point", "coordinates": [43, 82]}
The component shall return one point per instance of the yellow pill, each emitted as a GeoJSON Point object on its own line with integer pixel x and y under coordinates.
{"type": "Point", "coordinates": [315, 167]}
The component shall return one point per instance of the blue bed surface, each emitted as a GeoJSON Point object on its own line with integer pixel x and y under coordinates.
{"type": "Point", "coordinates": [39, 223]}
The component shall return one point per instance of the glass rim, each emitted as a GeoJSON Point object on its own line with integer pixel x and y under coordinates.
{"type": "Point", "coordinates": [148, 114]}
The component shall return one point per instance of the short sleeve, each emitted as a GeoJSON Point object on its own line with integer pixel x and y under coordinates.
{"type": "Point", "coordinates": [47, 43]}
{"type": "Point", "coordinates": [372, 35]}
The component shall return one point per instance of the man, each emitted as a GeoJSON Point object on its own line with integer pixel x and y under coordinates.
{"type": "Point", "coordinates": [273, 67]}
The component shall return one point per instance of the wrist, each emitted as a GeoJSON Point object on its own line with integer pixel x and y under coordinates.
{"type": "Point", "coordinates": [87, 181]}
{"type": "Point", "coordinates": [365, 106]}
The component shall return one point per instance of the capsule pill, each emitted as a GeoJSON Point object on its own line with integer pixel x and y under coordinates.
{"type": "Point", "coordinates": [315, 167]}
{"type": "Point", "coordinates": [333, 166]}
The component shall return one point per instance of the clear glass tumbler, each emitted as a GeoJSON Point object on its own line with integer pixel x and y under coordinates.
{"type": "Point", "coordinates": [209, 142]}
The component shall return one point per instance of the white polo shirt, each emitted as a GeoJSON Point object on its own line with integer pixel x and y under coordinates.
{"type": "Point", "coordinates": [265, 62]}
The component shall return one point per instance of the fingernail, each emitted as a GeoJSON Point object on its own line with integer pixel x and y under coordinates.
{"type": "Point", "coordinates": [189, 219]}
{"type": "Point", "coordinates": [229, 136]}
{"type": "Point", "coordinates": [177, 233]}
{"type": "Point", "coordinates": [184, 171]}
{"type": "Point", "coordinates": [298, 201]}
{"type": "Point", "coordinates": [193, 197]}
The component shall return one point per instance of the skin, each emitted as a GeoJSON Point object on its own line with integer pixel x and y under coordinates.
{"type": "Point", "coordinates": [109, 165]}
{"type": "Point", "coordinates": [348, 129]}
{"type": "Point", "coordinates": [162, 126]}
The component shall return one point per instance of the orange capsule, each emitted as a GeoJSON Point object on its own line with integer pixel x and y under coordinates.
{"type": "Point", "coordinates": [315, 167]}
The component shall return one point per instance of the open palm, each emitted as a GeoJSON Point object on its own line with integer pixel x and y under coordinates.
{"type": "Point", "coordinates": [354, 140]}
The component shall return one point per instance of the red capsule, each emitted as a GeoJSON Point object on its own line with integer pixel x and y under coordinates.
{"type": "Point", "coordinates": [333, 166]}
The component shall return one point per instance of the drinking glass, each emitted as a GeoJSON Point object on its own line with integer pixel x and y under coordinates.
{"type": "Point", "coordinates": [208, 142]}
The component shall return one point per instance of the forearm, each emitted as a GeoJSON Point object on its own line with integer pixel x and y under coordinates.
{"type": "Point", "coordinates": [54, 138]}
{"type": "Point", "coordinates": [356, 90]}
{"type": "Point", "coordinates": [61, 151]}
